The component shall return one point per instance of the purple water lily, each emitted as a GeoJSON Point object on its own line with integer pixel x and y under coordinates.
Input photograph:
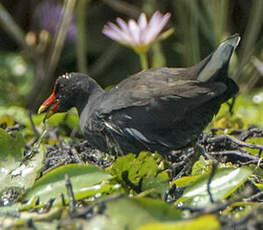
{"type": "Point", "coordinates": [48, 15]}
{"type": "Point", "coordinates": [138, 35]}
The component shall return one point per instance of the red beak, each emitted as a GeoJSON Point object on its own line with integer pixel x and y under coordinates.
{"type": "Point", "coordinates": [50, 103]}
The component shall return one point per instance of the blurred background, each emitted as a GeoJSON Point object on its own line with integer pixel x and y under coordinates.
{"type": "Point", "coordinates": [40, 40]}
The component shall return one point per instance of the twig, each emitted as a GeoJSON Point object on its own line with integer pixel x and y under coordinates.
{"type": "Point", "coordinates": [36, 133]}
{"type": "Point", "coordinates": [100, 203]}
{"type": "Point", "coordinates": [36, 144]}
{"type": "Point", "coordinates": [234, 140]}
{"type": "Point", "coordinates": [14, 128]}
{"type": "Point", "coordinates": [63, 199]}
{"type": "Point", "coordinates": [212, 174]}
{"type": "Point", "coordinates": [240, 156]}
{"type": "Point", "coordinates": [76, 156]}
{"type": "Point", "coordinates": [255, 197]}
{"type": "Point", "coordinates": [72, 201]}
{"type": "Point", "coordinates": [250, 132]}
{"type": "Point", "coordinates": [47, 206]}
{"type": "Point", "coordinates": [188, 162]}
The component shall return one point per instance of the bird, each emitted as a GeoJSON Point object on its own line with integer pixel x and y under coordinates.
{"type": "Point", "coordinates": [156, 110]}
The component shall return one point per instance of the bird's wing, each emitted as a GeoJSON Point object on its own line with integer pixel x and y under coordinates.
{"type": "Point", "coordinates": [149, 110]}
{"type": "Point", "coordinates": [158, 89]}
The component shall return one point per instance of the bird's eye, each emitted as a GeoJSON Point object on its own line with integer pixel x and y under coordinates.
{"type": "Point", "coordinates": [59, 87]}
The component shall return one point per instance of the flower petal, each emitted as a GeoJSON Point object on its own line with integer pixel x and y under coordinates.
{"type": "Point", "coordinates": [134, 31]}
{"type": "Point", "coordinates": [155, 26]}
{"type": "Point", "coordinates": [123, 25]}
{"type": "Point", "coordinates": [142, 22]}
{"type": "Point", "coordinates": [115, 33]}
{"type": "Point", "coordinates": [139, 35]}
{"type": "Point", "coordinates": [109, 32]}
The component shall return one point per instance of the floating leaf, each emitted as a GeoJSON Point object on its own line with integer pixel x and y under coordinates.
{"type": "Point", "coordinates": [208, 222]}
{"type": "Point", "coordinates": [11, 154]}
{"type": "Point", "coordinates": [42, 221]}
{"type": "Point", "coordinates": [131, 213]}
{"type": "Point", "coordinates": [224, 183]}
{"type": "Point", "coordinates": [25, 175]}
{"type": "Point", "coordinates": [15, 171]}
{"type": "Point", "coordinates": [86, 181]}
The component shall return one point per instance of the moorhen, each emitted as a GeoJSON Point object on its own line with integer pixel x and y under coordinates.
{"type": "Point", "coordinates": [159, 109]}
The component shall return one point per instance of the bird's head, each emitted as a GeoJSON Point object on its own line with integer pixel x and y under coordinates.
{"type": "Point", "coordinates": [70, 90]}
{"type": "Point", "coordinates": [59, 100]}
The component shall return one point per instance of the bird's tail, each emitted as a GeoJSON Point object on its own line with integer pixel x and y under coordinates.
{"type": "Point", "coordinates": [219, 59]}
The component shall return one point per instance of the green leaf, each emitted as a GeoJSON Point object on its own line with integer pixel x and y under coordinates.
{"type": "Point", "coordinates": [208, 222]}
{"type": "Point", "coordinates": [70, 118]}
{"type": "Point", "coordinates": [201, 166]}
{"type": "Point", "coordinates": [130, 213]}
{"type": "Point", "coordinates": [18, 113]}
{"type": "Point", "coordinates": [86, 181]}
{"type": "Point", "coordinates": [257, 141]}
{"type": "Point", "coordinates": [185, 180]}
{"type": "Point", "coordinates": [16, 172]}
{"type": "Point", "coordinates": [7, 120]}
{"type": "Point", "coordinates": [14, 209]}
{"type": "Point", "coordinates": [11, 147]}
{"type": "Point", "coordinates": [139, 166]}
{"type": "Point", "coordinates": [42, 221]}
{"type": "Point", "coordinates": [25, 175]}
{"type": "Point", "coordinates": [224, 183]}
{"type": "Point", "coordinates": [156, 184]}
{"type": "Point", "coordinates": [248, 110]}
{"type": "Point", "coordinates": [144, 166]}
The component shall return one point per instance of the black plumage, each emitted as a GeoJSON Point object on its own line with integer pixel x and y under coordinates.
{"type": "Point", "coordinates": [156, 110]}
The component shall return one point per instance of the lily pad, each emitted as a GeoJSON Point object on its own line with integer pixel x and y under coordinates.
{"type": "Point", "coordinates": [223, 184]}
{"type": "Point", "coordinates": [15, 171]}
{"type": "Point", "coordinates": [86, 181]}
{"type": "Point", "coordinates": [208, 222]}
{"type": "Point", "coordinates": [130, 213]}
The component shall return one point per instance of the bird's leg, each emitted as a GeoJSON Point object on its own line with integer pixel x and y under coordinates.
{"type": "Point", "coordinates": [231, 105]}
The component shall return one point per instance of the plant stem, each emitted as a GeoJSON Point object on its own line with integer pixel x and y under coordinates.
{"type": "Point", "coordinates": [81, 45]}
{"type": "Point", "coordinates": [144, 60]}
{"type": "Point", "coordinates": [60, 36]}
{"type": "Point", "coordinates": [11, 27]}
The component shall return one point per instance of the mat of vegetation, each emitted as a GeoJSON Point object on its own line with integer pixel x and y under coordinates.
{"type": "Point", "coordinates": [52, 179]}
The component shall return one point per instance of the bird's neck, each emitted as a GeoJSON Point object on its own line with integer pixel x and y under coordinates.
{"type": "Point", "coordinates": [88, 95]}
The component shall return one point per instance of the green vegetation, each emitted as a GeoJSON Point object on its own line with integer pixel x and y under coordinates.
{"type": "Point", "coordinates": [58, 182]}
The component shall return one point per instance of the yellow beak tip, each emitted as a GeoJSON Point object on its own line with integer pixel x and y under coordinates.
{"type": "Point", "coordinates": [41, 109]}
